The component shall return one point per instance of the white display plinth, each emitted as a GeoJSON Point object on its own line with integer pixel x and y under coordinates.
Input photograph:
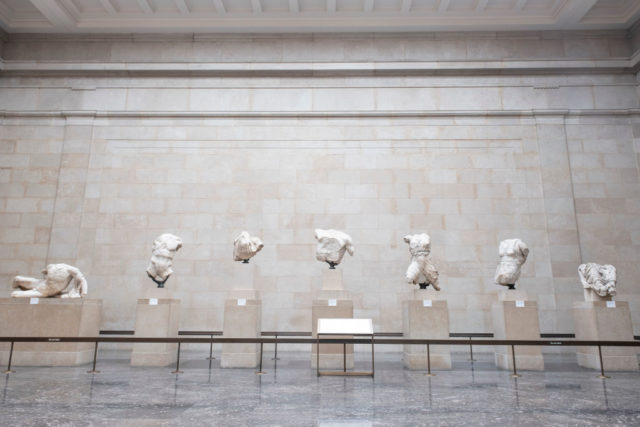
{"type": "Point", "coordinates": [604, 320]}
{"type": "Point", "coordinates": [348, 327]}
{"type": "Point", "coordinates": [242, 319]}
{"type": "Point", "coordinates": [49, 317]}
{"type": "Point", "coordinates": [156, 317]}
{"type": "Point", "coordinates": [426, 316]}
{"type": "Point", "coordinates": [332, 301]}
{"type": "Point", "coordinates": [515, 317]}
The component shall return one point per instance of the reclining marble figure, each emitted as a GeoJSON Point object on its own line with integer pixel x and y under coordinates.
{"type": "Point", "coordinates": [513, 254]}
{"type": "Point", "coordinates": [601, 279]}
{"type": "Point", "coordinates": [162, 252]}
{"type": "Point", "coordinates": [246, 247]}
{"type": "Point", "coordinates": [421, 270]}
{"type": "Point", "coordinates": [60, 281]}
{"type": "Point", "coordinates": [332, 244]}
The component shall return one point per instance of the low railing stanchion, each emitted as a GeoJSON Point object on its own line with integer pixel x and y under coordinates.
{"type": "Point", "coordinates": [513, 358]}
{"type": "Point", "coordinates": [429, 374]}
{"type": "Point", "coordinates": [260, 372]}
{"type": "Point", "coordinates": [178, 371]}
{"type": "Point", "coordinates": [344, 357]}
{"type": "Point", "coordinates": [602, 375]}
{"type": "Point", "coordinates": [211, 349]}
{"type": "Point", "coordinates": [95, 357]}
{"type": "Point", "coordinates": [471, 359]}
{"type": "Point", "coordinates": [275, 357]}
{"type": "Point", "coordinates": [9, 371]}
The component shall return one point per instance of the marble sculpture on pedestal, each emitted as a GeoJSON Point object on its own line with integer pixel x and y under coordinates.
{"type": "Point", "coordinates": [245, 247]}
{"type": "Point", "coordinates": [162, 252]}
{"type": "Point", "coordinates": [60, 281]}
{"type": "Point", "coordinates": [421, 271]}
{"type": "Point", "coordinates": [332, 245]}
{"type": "Point", "coordinates": [601, 279]}
{"type": "Point", "coordinates": [513, 254]}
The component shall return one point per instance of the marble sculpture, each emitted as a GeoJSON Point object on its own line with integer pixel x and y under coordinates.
{"type": "Point", "coordinates": [245, 247]}
{"type": "Point", "coordinates": [162, 252]}
{"type": "Point", "coordinates": [421, 270]}
{"type": "Point", "coordinates": [60, 281]}
{"type": "Point", "coordinates": [513, 254]}
{"type": "Point", "coordinates": [601, 279]}
{"type": "Point", "coordinates": [332, 244]}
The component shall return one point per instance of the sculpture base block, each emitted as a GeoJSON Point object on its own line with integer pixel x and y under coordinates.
{"type": "Point", "coordinates": [242, 319]}
{"type": "Point", "coordinates": [426, 318]}
{"type": "Point", "coordinates": [50, 317]}
{"type": "Point", "coordinates": [156, 318]}
{"type": "Point", "coordinates": [511, 322]}
{"type": "Point", "coordinates": [331, 355]}
{"type": "Point", "coordinates": [594, 321]}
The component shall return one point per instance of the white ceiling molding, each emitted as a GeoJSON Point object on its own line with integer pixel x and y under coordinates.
{"type": "Point", "coordinates": [308, 16]}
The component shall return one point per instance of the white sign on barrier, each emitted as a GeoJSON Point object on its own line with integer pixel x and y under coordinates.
{"type": "Point", "coordinates": [333, 302]}
{"type": "Point", "coordinates": [519, 304]}
{"type": "Point", "coordinates": [427, 303]}
{"type": "Point", "coordinates": [34, 300]}
{"type": "Point", "coordinates": [611, 304]}
{"type": "Point", "coordinates": [242, 301]}
{"type": "Point", "coordinates": [153, 301]}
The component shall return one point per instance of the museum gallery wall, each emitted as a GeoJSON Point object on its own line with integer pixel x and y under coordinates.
{"type": "Point", "coordinates": [96, 166]}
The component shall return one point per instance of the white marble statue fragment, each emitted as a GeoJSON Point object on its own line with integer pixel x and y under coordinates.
{"type": "Point", "coordinates": [246, 247]}
{"type": "Point", "coordinates": [332, 244]}
{"type": "Point", "coordinates": [60, 281]}
{"type": "Point", "coordinates": [513, 254]}
{"type": "Point", "coordinates": [162, 252]}
{"type": "Point", "coordinates": [421, 270]}
{"type": "Point", "coordinates": [601, 279]}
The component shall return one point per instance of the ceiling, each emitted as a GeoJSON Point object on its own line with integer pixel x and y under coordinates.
{"type": "Point", "coordinates": [278, 16]}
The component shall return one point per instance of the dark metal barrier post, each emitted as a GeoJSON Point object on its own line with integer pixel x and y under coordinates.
{"type": "Point", "coordinates": [602, 375]}
{"type": "Point", "coordinates": [344, 357]}
{"type": "Point", "coordinates": [275, 357]}
{"type": "Point", "coordinates": [471, 359]}
{"type": "Point", "coordinates": [373, 363]}
{"type": "Point", "coordinates": [260, 372]}
{"type": "Point", "coordinates": [95, 356]}
{"type": "Point", "coordinates": [9, 371]}
{"type": "Point", "coordinates": [211, 349]}
{"type": "Point", "coordinates": [429, 374]}
{"type": "Point", "coordinates": [513, 358]}
{"type": "Point", "coordinates": [317, 355]}
{"type": "Point", "coordinates": [177, 371]}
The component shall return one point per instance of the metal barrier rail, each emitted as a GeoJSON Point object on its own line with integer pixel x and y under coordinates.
{"type": "Point", "coordinates": [342, 340]}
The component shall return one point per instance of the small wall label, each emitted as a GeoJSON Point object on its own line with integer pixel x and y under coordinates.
{"type": "Point", "coordinates": [519, 304]}
{"type": "Point", "coordinates": [611, 304]}
{"type": "Point", "coordinates": [34, 300]}
{"type": "Point", "coordinates": [242, 301]}
{"type": "Point", "coordinates": [427, 303]}
{"type": "Point", "coordinates": [333, 302]}
{"type": "Point", "coordinates": [153, 301]}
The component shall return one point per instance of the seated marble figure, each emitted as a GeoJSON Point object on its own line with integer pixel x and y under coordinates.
{"type": "Point", "coordinates": [600, 279]}
{"type": "Point", "coordinates": [60, 281]}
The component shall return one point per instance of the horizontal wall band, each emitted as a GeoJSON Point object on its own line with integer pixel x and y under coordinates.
{"type": "Point", "coordinates": [316, 114]}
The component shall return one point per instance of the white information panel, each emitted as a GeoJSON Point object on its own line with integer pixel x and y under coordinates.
{"type": "Point", "coordinates": [333, 303]}
{"type": "Point", "coordinates": [345, 326]}
{"type": "Point", "coordinates": [519, 304]}
{"type": "Point", "coordinates": [153, 301]}
{"type": "Point", "coordinates": [34, 300]}
{"type": "Point", "coordinates": [427, 303]}
{"type": "Point", "coordinates": [242, 301]}
{"type": "Point", "coordinates": [611, 304]}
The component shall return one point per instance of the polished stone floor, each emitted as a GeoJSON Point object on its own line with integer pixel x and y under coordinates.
{"type": "Point", "coordinates": [290, 394]}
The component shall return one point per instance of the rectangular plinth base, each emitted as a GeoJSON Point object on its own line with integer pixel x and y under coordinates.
{"type": "Point", "coordinates": [242, 319]}
{"type": "Point", "coordinates": [515, 319]}
{"type": "Point", "coordinates": [426, 318]}
{"type": "Point", "coordinates": [594, 321]}
{"type": "Point", "coordinates": [50, 317]}
{"type": "Point", "coordinates": [331, 354]}
{"type": "Point", "coordinates": [440, 358]}
{"type": "Point", "coordinates": [156, 318]}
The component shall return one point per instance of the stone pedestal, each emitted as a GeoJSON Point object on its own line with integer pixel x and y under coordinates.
{"type": "Point", "coordinates": [593, 320]}
{"type": "Point", "coordinates": [331, 302]}
{"type": "Point", "coordinates": [242, 319]}
{"type": "Point", "coordinates": [156, 317]}
{"type": "Point", "coordinates": [515, 317]}
{"type": "Point", "coordinates": [426, 316]}
{"type": "Point", "coordinates": [49, 317]}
